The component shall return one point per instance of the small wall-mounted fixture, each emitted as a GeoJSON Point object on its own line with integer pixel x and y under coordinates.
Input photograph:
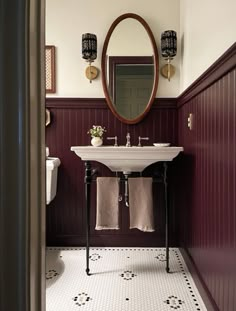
{"type": "Point", "coordinates": [168, 51]}
{"type": "Point", "coordinates": [89, 52]}
{"type": "Point", "coordinates": [190, 121]}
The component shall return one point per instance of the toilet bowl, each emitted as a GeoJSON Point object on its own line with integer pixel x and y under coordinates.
{"type": "Point", "coordinates": [52, 165]}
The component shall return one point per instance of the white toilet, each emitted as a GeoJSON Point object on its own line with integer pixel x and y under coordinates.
{"type": "Point", "coordinates": [52, 165]}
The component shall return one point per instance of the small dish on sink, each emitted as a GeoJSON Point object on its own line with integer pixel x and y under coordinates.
{"type": "Point", "coordinates": [161, 144]}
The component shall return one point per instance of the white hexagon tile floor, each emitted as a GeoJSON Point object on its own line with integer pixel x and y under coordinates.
{"type": "Point", "coordinates": [123, 279]}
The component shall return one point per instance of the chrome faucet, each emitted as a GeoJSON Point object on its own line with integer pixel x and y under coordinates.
{"type": "Point", "coordinates": [115, 139]}
{"type": "Point", "coordinates": [141, 138]}
{"type": "Point", "coordinates": [128, 140]}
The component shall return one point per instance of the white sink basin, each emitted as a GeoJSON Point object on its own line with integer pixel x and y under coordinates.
{"type": "Point", "coordinates": [126, 159]}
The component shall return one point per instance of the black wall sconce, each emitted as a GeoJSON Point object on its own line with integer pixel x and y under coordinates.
{"type": "Point", "coordinates": [89, 53]}
{"type": "Point", "coordinates": [168, 51]}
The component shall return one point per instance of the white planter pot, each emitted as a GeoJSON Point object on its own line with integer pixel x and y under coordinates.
{"type": "Point", "coordinates": [96, 141]}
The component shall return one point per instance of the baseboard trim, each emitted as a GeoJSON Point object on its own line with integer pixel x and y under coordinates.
{"type": "Point", "coordinates": [149, 240]}
{"type": "Point", "coordinates": [202, 288]}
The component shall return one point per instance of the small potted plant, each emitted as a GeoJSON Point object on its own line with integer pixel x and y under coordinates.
{"type": "Point", "coordinates": [96, 133]}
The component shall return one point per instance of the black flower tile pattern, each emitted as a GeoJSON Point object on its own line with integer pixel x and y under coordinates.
{"type": "Point", "coordinates": [174, 302]}
{"type": "Point", "coordinates": [128, 275]}
{"type": "Point", "coordinates": [161, 257]}
{"type": "Point", "coordinates": [81, 299]}
{"type": "Point", "coordinates": [95, 257]}
{"type": "Point", "coordinates": [51, 274]}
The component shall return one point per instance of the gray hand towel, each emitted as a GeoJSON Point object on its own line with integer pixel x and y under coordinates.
{"type": "Point", "coordinates": [141, 204]}
{"type": "Point", "coordinates": [107, 203]}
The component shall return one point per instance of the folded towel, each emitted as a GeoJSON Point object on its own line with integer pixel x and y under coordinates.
{"type": "Point", "coordinates": [107, 203]}
{"type": "Point", "coordinates": [141, 204]}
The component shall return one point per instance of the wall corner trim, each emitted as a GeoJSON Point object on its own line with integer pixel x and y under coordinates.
{"type": "Point", "coordinates": [219, 68]}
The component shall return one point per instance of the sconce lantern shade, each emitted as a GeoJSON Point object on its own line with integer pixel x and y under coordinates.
{"type": "Point", "coordinates": [169, 43]}
{"type": "Point", "coordinates": [89, 47]}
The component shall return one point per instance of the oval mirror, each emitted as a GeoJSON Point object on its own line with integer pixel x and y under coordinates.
{"type": "Point", "coordinates": [130, 68]}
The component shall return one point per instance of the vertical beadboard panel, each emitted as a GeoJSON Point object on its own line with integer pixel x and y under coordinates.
{"type": "Point", "coordinates": [71, 119]}
{"type": "Point", "coordinates": [207, 219]}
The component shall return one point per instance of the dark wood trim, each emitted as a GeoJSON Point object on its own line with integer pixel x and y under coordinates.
{"type": "Point", "coordinates": [100, 103]}
{"type": "Point", "coordinates": [70, 103]}
{"type": "Point", "coordinates": [114, 60]}
{"type": "Point", "coordinates": [156, 67]}
{"type": "Point", "coordinates": [164, 103]}
{"type": "Point", "coordinates": [219, 68]}
{"type": "Point", "coordinates": [203, 290]}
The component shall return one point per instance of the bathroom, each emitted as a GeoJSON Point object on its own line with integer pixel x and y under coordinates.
{"type": "Point", "coordinates": [203, 220]}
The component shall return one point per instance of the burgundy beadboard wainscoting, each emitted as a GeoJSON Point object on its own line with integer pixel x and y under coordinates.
{"type": "Point", "coordinates": [207, 205]}
{"type": "Point", "coordinates": [71, 118]}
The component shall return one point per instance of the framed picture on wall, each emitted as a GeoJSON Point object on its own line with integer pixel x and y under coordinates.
{"type": "Point", "coordinates": [50, 69]}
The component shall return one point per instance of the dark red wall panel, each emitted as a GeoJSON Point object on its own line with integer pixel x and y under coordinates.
{"type": "Point", "coordinates": [207, 205]}
{"type": "Point", "coordinates": [71, 119]}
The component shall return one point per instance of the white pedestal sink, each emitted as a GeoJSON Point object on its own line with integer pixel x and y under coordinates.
{"type": "Point", "coordinates": [126, 159]}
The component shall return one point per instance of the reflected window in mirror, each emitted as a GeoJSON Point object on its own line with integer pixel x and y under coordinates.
{"type": "Point", "coordinates": [130, 84]}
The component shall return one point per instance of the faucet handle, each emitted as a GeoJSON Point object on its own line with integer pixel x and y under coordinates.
{"type": "Point", "coordinates": [115, 139]}
{"type": "Point", "coordinates": [141, 138]}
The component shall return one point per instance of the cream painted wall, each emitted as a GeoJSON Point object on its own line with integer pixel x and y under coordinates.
{"type": "Point", "coordinates": [66, 21]}
{"type": "Point", "coordinates": [207, 30]}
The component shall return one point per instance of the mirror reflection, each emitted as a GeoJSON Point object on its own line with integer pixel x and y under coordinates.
{"type": "Point", "coordinates": [130, 67]}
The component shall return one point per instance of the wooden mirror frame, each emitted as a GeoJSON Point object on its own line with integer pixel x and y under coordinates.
{"type": "Point", "coordinates": [156, 68]}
